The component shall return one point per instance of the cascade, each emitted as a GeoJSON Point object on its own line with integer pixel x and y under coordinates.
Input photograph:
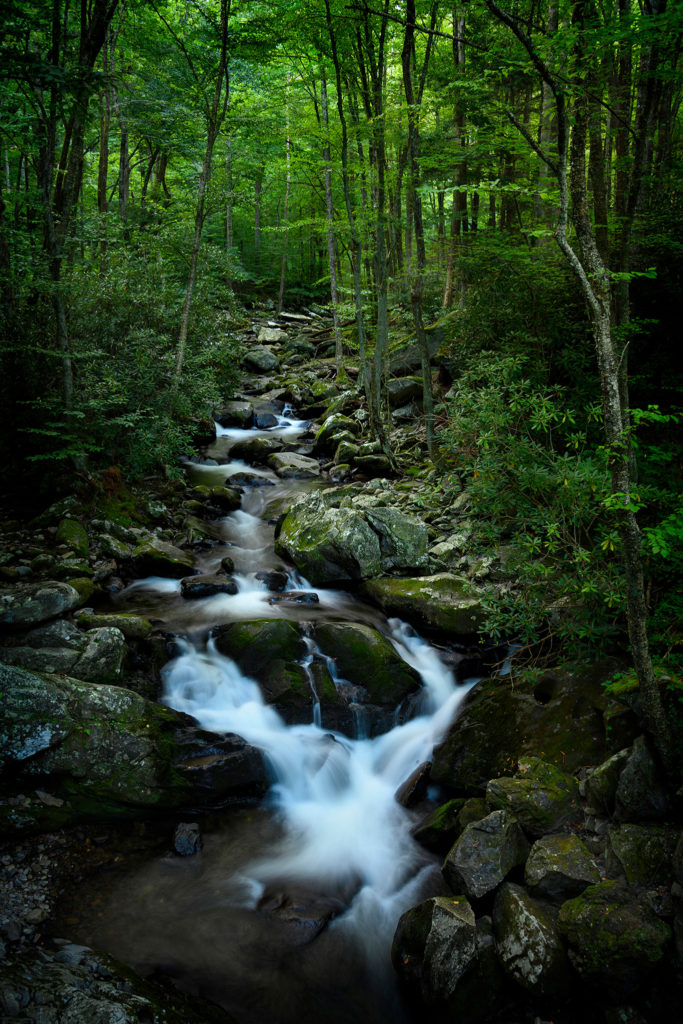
{"type": "Point", "coordinates": [289, 911]}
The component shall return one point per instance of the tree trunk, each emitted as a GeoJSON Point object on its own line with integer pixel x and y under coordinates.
{"type": "Point", "coordinates": [331, 241]}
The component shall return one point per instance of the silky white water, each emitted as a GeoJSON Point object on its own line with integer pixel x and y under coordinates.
{"type": "Point", "coordinates": [335, 795]}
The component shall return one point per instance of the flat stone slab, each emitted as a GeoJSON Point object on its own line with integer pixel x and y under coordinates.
{"type": "Point", "coordinates": [289, 466]}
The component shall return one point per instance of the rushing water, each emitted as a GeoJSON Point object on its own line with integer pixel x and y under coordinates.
{"type": "Point", "coordinates": [288, 913]}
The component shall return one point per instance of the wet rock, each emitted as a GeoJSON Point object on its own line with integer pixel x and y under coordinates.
{"type": "Point", "coordinates": [227, 499]}
{"type": "Point", "coordinates": [196, 587]}
{"type": "Point", "coordinates": [373, 465]}
{"type": "Point", "coordinates": [300, 914]}
{"type": "Point", "coordinates": [133, 627]}
{"type": "Point", "coordinates": [528, 943]}
{"type": "Point", "coordinates": [484, 854]}
{"type": "Point", "coordinates": [264, 419]}
{"type": "Point", "coordinates": [290, 466]}
{"type": "Point", "coordinates": [643, 853]}
{"type": "Point", "coordinates": [257, 450]}
{"type": "Point", "coordinates": [559, 716]}
{"type": "Point", "coordinates": [260, 359]}
{"type": "Point", "coordinates": [274, 580]}
{"type": "Point", "coordinates": [154, 557]}
{"type": "Point", "coordinates": [49, 659]}
{"type": "Point", "coordinates": [295, 597]}
{"type": "Point", "coordinates": [227, 565]}
{"type": "Point", "coordinates": [559, 867]}
{"type": "Point", "coordinates": [439, 831]}
{"type": "Point", "coordinates": [107, 749]}
{"type": "Point", "coordinates": [215, 768]}
{"type": "Point", "coordinates": [641, 792]}
{"type": "Point", "coordinates": [442, 602]}
{"type": "Point", "coordinates": [615, 938]}
{"type": "Point", "coordinates": [402, 390]}
{"type": "Point", "coordinates": [601, 785]}
{"type": "Point", "coordinates": [272, 335]}
{"type": "Point", "coordinates": [445, 960]}
{"type": "Point", "coordinates": [540, 796]}
{"type": "Point", "coordinates": [414, 789]}
{"type": "Point", "coordinates": [255, 643]}
{"type": "Point", "coordinates": [250, 480]}
{"type": "Point", "coordinates": [102, 659]}
{"type": "Point", "coordinates": [236, 414]}
{"type": "Point", "coordinates": [365, 658]}
{"type": "Point", "coordinates": [328, 545]}
{"type": "Point", "coordinates": [71, 533]}
{"type": "Point", "coordinates": [112, 547]}
{"type": "Point", "coordinates": [332, 427]}
{"type": "Point", "coordinates": [187, 839]}
{"type": "Point", "coordinates": [29, 605]}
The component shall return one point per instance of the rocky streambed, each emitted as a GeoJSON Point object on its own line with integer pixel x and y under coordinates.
{"type": "Point", "coordinates": [318, 776]}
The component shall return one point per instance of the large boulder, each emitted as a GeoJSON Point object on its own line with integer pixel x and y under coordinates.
{"type": "Point", "coordinates": [256, 450]}
{"type": "Point", "coordinates": [236, 414]}
{"type": "Point", "coordinates": [615, 938]}
{"type": "Point", "coordinates": [366, 659]}
{"type": "Point", "coordinates": [403, 539]}
{"type": "Point", "coordinates": [559, 867]}
{"type": "Point", "coordinates": [484, 854]}
{"type": "Point", "coordinates": [96, 656]}
{"type": "Point", "coordinates": [559, 715]}
{"type": "Point", "coordinates": [154, 557]}
{"type": "Point", "coordinates": [29, 605]}
{"type": "Point", "coordinates": [641, 793]}
{"type": "Point", "coordinates": [133, 627]}
{"type": "Point", "coordinates": [71, 533]}
{"type": "Point", "coordinates": [332, 428]}
{"type": "Point", "coordinates": [289, 465]}
{"type": "Point", "coordinates": [528, 944]}
{"type": "Point", "coordinates": [329, 545]}
{"type": "Point", "coordinates": [443, 603]}
{"type": "Point", "coordinates": [260, 359]}
{"type": "Point", "coordinates": [445, 959]}
{"type": "Point", "coordinates": [542, 797]}
{"type": "Point", "coordinates": [643, 853]}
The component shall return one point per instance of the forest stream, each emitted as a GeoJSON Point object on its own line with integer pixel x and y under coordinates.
{"type": "Point", "coordinates": [288, 911]}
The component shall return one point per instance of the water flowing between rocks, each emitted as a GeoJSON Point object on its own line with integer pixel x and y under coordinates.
{"type": "Point", "coordinates": [288, 912]}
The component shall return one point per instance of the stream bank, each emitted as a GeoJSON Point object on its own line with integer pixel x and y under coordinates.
{"type": "Point", "coordinates": [549, 758]}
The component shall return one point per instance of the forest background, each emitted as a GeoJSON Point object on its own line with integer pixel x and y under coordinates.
{"type": "Point", "coordinates": [502, 184]}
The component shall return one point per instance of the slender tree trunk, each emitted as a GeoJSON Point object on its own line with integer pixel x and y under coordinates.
{"type": "Point", "coordinates": [331, 241]}
{"type": "Point", "coordinates": [288, 180]}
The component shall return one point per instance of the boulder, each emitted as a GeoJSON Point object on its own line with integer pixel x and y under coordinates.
{"type": "Point", "coordinates": [256, 450]}
{"type": "Point", "coordinates": [290, 466]}
{"type": "Point", "coordinates": [133, 627]}
{"type": "Point", "coordinates": [260, 359]}
{"type": "Point", "coordinates": [73, 535]}
{"type": "Point", "coordinates": [641, 793]}
{"type": "Point", "coordinates": [601, 784]}
{"type": "Point", "coordinates": [615, 938]}
{"type": "Point", "coordinates": [154, 557]}
{"type": "Point", "coordinates": [402, 390]}
{"type": "Point", "coordinates": [28, 605]}
{"type": "Point", "coordinates": [372, 466]}
{"type": "Point", "coordinates": [443, 602]}
{"type": "Point", "coordinates": [542, 797]}
{"type": "Point", "coordinates": [445, 959]}
{"type": "Point", "coordinates": [236, 414]}
{"type": "Point", "coordinates": [272, 336]}
{"type": "Point", "coordinates": [643, 853]}
{"type": "Point", "coordinates": [366, 659]}
{"type": "Point", "coordinates": [195, 587]}
{"type": "Point", "coordinates": [528, 943]}
{"type": "Point", "coordinates": [439, 831]}
{"type": "Point", "coordinates": [218, 769]}
{"type": "Point", "coordinates": [102, 659]}
{"type": "Point", "coordinates": [559, 867]}
{"type": "Point", "coordinates": [484, 854]}
{"type": "Point", "coordinates": [403, 539]}
{"type": "Point", "coordinates": [227, 499]}
{"type": "Point", "coordinates": [104, 749]}
{"type": "Point", "coordinates": [332, 427]}
{"type": "Point", "coordinates": [328, 545]}
{"type": "Point", "coordinates": [187, 839]}
{"type": "Point", "coordinates": [559, 715]}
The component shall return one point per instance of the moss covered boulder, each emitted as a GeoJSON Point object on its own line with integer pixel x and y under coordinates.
{"type": "Point", "coordinates": [329, 545]}
{"type": "Point", "coordinates": [133, 627]}
{"type": "Point", "coordinates": [104, 749]}
{"type": "Point", "coordinates": [73, 535]}
{"type": "Point", "coordinates": [154, 557]}
{"type": "Point", "coordinates": [366, 659]}
{"type": "Point", "coordinates": [559, 867]}
{"type": "Point", "coordinates": [484, 854]}
{"type": "Point", "coordinates": [614, 936]}
{"type": "Point", "coordinates": [442, 603]}
{"type": "Point", "coordinates": [542, 797]}
{"type": "Point", "coordinates": [227, 499]}
{"type": "Point", "coordinates": [333, 426]}
{"type": "Point", "coordinates": [559, 715]}
{"type": "Point", "coordinates": [439, 831]}
{"type": "Point", "coordinates": [642, 853]}
{"type": "Point", "coordinates": [30, 604]}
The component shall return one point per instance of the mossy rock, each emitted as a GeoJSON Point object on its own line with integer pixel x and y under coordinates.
{"type": "Point", "coordinates": [227, 499]}
{"type": "Point", "coordinates": [133, 627]}
{"type": "Point", "coordinates": [440, 830]}
{"type": "Point", "coordinates": [484, 854]}
{"type": "Point", "coordinates": [85, 587]}
{"type": "Point", "coordinates": [442, 603]}
{"type": "Point", "coordinates": [615, 938]}
{"type": "Point", "coordinates": [557, 715]}
{"type": "Point", "coordinates": [328, 545]}
{"type": "Point", "coordinates": [30, 604]}
{"type": "Point", "coordinates": [156, 557]}
{"type": "Point", "coordinates": [71, 533]}
{"type": "Point", "coordinates": [559, 867]}
{"type": "Point", "coordinates": [333, 426]}
{"type": "Point", "coordinates": [255, 643]}
{"type": "Point", "coordinates": [528, 943]}
{"type": "Point", "coordinates": [542, 797]}
{"type": "Point", "coordinates": [644, 853]}
{"type": "Point", "coordinates": [365, 658]}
